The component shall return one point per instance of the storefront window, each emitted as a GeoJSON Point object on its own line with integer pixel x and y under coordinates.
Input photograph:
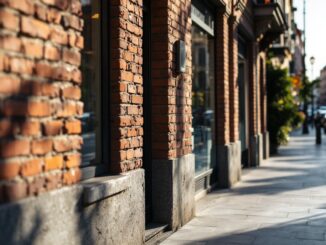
{"type": "Point", "coordinates": [203, 97]}
{"type": "Point", "coordinates": [91, 72]}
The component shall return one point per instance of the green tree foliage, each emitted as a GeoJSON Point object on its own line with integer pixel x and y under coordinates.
{"type": "Point", "coordinates": [282, 111]}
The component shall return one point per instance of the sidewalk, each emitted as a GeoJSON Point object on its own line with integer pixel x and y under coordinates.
{"type": "Point", "coordinates": [281, 203]}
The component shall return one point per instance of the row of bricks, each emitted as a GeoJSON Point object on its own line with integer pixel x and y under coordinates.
{"type": "Point", "coordinates": [32, 7]}
{"type": "Point", "coordinates": [15, 190]}
{"type": "Point", "coordinates": [25, 147]}
{"type": "Point", "coordinates": [13, 85]}
{"type": "Point", "coordinates": [18, 65]}
{"type": "Point", "coordinates": [36, 128]}
{"type": "Point", "coordinates": [37, 49]}
{"type": "Point", "coordinates": [35, 28]}
{"type": "Point", "coordinates": [36, 108]}
{"type": "Point", "coordinates": [33, 167]}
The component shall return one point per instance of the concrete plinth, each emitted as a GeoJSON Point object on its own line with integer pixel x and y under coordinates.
{"type": "Point", "coordinates": [256, 150]}
{"type": "Point", "coordinates": [63, 217]}
{"type": "Point", "coordinates": [173, 186]}
{"type": "Point", "coordinates": [266, 145]}
{"type": "Point", "coordinates": [229, 164]}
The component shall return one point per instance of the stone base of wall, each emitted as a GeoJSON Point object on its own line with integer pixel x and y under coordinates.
{"type": "Point", "coordinates": [256, 150]}
{"type": "Point", "coordinates": [266, 145]}
{"type": "Point", "coordinates": [65, 216]}
{"type": "Point", "coordinates": [173, 186]}
{"type": "Point", "coordinates": [229, 164]}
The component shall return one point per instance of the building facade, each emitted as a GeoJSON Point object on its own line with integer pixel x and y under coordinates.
{"type": "Point", "coordinates": [116, 116]}
{"type": "Point", "coordinates": [322, 87]}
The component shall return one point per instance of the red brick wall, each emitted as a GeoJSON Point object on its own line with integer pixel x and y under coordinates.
{"type": "Point", "coordinates": [252, 61]}
{"type": "Point", "coordinates": [126, 31]}
{"type": "Point", "coordinates": [233, 78]}
{"type": "Point", "coordinates": [40, 45]}
{"type": "Point", "coordinates": [222, 77]}
{"type": "Point", "coordinates": [171, 101]}
{"type": "Point", "coordinates": [263, 93]}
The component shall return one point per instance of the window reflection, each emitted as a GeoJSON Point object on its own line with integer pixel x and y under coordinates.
{"type": "Point", "coordinates": [203, 97]}
{"type": "Point", "coordinates": [91, 81]}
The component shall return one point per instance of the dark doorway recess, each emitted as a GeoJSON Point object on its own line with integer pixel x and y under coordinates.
{"type": "Point", "coordinates": [147, 143]}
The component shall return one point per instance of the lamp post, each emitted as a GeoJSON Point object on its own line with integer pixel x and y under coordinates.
{"type": "Point", "coordinates": [312, 62]}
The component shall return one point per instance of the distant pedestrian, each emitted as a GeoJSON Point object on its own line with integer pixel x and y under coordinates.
{"type": "Point", "coordinates": [318, 124]}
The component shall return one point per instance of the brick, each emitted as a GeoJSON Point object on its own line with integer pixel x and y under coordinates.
{"type": "Point", "coordinates": [73, 127]}
{"type": "Point", "coordinates": [53, 181]}
{"type": "Point", "coordinates": [72, 176]}
{"type": "Point", "coordinates": [62, 73]}
{"type": "Point", "coordinates": [36, 186]}
{"type": "Point", "coordinates": [40, 88]}
{"type": "Point", "coordinates": [9, 170]}
{"type": "Point", "coordinates": [62, 145]}
{"type": "Point", "coordinates": [54, 16]}
{"type": "Point", "coordinates": [71, 93]}
{"type": "Point", "coordinates": [127, 76]}
{"type": "Point", "coordinates": [30, 128]}
{"type": "Point", "coordinates": [10, 42]}
{"type": "Point", "coordinates": [31, 48]}
{"type": "Point", "coordinates": [14, 148]}
{"type": "Point", "coordinates": [21, 66]}
{"type": "Point", "coordinates": [41, 147]}
{"type": "Point", "coordinates": [73, 160]}
{"type": "Point", "coordinates": [76, 142]}
{"type": "Point", "coordinates": [72, 57]}
{"type": "Point", "coordinates": [73, 22]}
{"type": "Point", "coordinates": [44, 69]}
{"type": "Point", "coordinates": [9, 20]}
{"type": "Point", "coordinates": [25, 6]}
{"type": "Point", "coordinates": [6, 127]}
{"type": "Point", "coordinates": [4, 62]}
{"type": "Point", "coordinates": [51, 128]}
{"type": "Point", "coordinates": [59, 36]}
{"type": "Point", "coordinates": [15, 191]}
{"type": "Point", "coordinates": [67, 109]}
{"type": "Point", "coordinates": [31, 167]}
{"type": "Point", "coordinates": [76, 76]}
{"type": "Point", "coordinates": [138, 79]}
{"type": "Point", "coordinates": [51, 52]}
{"type": "Point", "coordinates": [41, 12]}
{"type": "Point", "coordinates": [79, 42]}
{"type": "Point", "coordinates": [52, 163]}
{"type": "Point", "coordinates": [137, 99]}
{"type": "Point", "coordinates": [34, 27]}
{"type": "Point", "coordinates": [9, 84]}
{"type": "Point", "coordinates": [38, 108]}
{"type": "Point", "coordinates": [76, 7]}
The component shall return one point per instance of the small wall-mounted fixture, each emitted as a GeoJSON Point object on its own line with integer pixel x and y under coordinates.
{"type": "Point", "coordinates": [181, 56]}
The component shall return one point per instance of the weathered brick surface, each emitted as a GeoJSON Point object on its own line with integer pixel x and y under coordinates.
{"type": "Point", "coordinates": [40, 94]}
{"type": "Point", "coordinates": [222, 78]}
{"type": "Point", "coordinates": [253, 91]}
{"type": "Point", "coordinates": [233, 76]}
{"type": "Point", "coordinates": [40, 44]}
{"type": "Point", "coordinates": [171, 92]}
{"type": "Point", "coordinates": [126, 31]}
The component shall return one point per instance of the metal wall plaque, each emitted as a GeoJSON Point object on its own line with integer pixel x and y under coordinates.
{"type": "Point", "coordinates": [181, 56]}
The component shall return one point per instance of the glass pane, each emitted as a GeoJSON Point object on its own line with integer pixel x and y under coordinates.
{"type": "Point", "coordinates": [91, 80]}
{"type": "Point", "coordinates": [203, 97]}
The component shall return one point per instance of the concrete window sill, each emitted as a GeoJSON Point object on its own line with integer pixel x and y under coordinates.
{"type": "Point", "coordinates": [99, 188]}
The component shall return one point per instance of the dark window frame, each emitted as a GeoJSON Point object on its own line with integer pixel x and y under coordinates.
{"type": "Point", "coordinates": [101, 166]}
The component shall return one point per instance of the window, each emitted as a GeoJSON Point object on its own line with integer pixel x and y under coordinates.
{"type": "Point", "coordinates": [91, 86]}
{"type": "Point", "coordinates": [203, 98]}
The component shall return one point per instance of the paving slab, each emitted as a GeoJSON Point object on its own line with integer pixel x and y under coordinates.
{"type": "Point", "coordinates": [281, 203]}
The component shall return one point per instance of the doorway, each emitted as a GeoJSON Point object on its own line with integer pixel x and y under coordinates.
{"type": "Point", "coordinates": [243, 110]}
{"type": "Point", "coordinates": [147, 137]}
